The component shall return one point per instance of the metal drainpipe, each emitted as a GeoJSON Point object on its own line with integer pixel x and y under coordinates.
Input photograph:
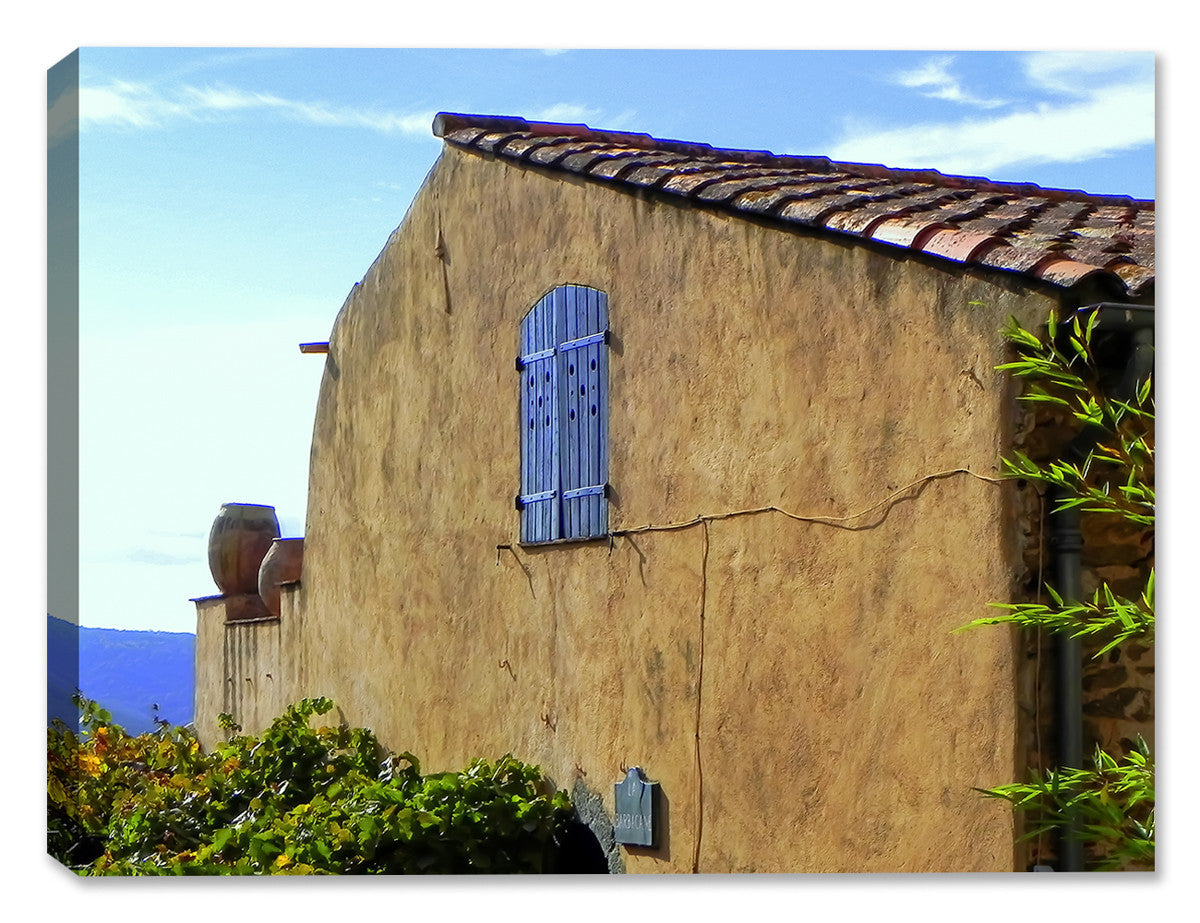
{"type": "Point", "coordinates": [1066, 538]}
{"type": "Point", "coordinates": [1067, 541]}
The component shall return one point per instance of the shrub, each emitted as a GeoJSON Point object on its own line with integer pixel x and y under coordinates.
{"type": "Point", "coordinates": [293, 800]}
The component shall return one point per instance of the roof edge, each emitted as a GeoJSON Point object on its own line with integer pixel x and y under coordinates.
{"type": "Point", "coordinates": [1065, 239]}
{"type": "Point", "coordinates": [447, 123]}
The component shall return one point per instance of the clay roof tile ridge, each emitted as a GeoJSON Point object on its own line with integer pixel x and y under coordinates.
{"type": "Point", "coordinates": [1057, 236]}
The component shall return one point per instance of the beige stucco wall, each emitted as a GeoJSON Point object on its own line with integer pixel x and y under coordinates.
{"type": "Point", "coordinates": [241, 667]}
{"type": "Point", "coordinates": [794, 686]}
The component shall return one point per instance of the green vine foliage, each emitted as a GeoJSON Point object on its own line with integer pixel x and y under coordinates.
{"type": "Point", "coordinates": [293, 800]}
{"type": "Point", "coordinates": [1111, 804]}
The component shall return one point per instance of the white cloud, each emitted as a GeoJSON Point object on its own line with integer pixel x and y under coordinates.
{"type": "Point", "coordinates": [577, 114]}
{"type": "Point", "coordinates": [565, 112]}
{"type": "Point", "coordinates": [225, 99]}
{"type": "Point", "coordinates": [1076, 73]}
{"type": "Point", "coordinates": [162, 558]}
{"type": "Point", "coordinates": [934, 79]}
{"type": "Point", "coordinates": [129, 105]}
{"type": "Point", "coordinates": [139, 106]}
{"type": "Point", "coordinates": [1111, 109]}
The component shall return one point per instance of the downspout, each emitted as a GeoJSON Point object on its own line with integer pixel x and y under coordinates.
{"type": "Point", "coordinates": [1066, 539]}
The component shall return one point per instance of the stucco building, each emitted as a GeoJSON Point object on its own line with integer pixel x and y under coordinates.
{"type": "Point", "coordinates": [633, 452]}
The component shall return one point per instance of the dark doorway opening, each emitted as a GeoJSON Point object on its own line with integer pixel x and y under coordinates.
{"type": "Point", "coordinates": [578, 852]}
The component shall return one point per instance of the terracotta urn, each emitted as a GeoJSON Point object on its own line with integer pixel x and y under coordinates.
{"type": "Point", "coordinates": [240, 538]}
{"type": "Point", "coordinates": [280, 566]}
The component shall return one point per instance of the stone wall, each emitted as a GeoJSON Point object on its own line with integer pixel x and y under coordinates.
{"type": "Point", "coordinates": [1118, 687]}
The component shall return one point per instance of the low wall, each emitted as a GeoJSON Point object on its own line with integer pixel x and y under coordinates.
{"type": "Point", "coordinates": [239, 667]}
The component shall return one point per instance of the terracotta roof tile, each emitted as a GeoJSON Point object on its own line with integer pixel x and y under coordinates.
{"type": "Point", "coordinates": [621, 162]}
{"type": "Point", "coordinates": [735, 183]}
{"type": "Point", "coordinates": [490, 141]}
{"type": "Point", "coordinates": [1014, 258]}
{"type": "Point", "coordinates": [908, 232]}
{"type": "Point", "coordinates": [1098, 252]}
{"type": "Point", "coordinates": [1118, 214]}
{"type": "Point", "coordinates": [816, 210]}
{"type": "Point", "coordinates": [766, 201]}
{"type": "Point", "coordinates": [1139, 278]}
{"type": "Point", "coordinates": [687, 183]}
{"type": "Point", "coordinates": [1066, 272]}
{"type": "Point", "coordinates": [650, 174]}
{"type": "Point", "coordinates": [858, 221]}
{"type": "Point", "coordinates": [583, 161]}
{"type": "Point", "coordinates": [962, 246]}
{"type": "Point", "coordinates": [1056, 236]}
{"type": "Point", "coordinates": [522, 146]}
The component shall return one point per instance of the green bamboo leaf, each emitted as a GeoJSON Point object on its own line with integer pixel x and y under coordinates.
{"type": "Point", "coordinates": [1145, 389]}
{"type": "Point", "coordinates": [1034, 397]}
{"type": "Point", "coordinates": [1014, 332]}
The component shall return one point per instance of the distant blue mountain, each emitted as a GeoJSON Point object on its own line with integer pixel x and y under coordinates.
{"type": "Point", "coordinates": [127, 672]}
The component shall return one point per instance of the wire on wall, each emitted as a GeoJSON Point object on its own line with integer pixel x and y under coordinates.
{"type": "Point", "coordinates": [837, 521]}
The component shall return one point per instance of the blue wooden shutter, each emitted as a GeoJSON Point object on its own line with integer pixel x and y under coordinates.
{"type": "Point", "coordinates": [539, 499]}
{"type": "Point", "coordinates": [583, 373]}
{"type": "Point", "coordinates": [564, 416]}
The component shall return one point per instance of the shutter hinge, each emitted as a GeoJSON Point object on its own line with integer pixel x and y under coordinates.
{"type": "Point", "coordinates": [524, 499]}
{"type": "Point", "coordinates": [601, 337]}
{"type": "Point", "coordinates": [523, 361]}
{"type": "Point", "coordinates": [592, 491]}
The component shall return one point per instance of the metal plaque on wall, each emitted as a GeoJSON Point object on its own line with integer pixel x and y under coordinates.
{"type": "Point", "coordinates": [636, 801]}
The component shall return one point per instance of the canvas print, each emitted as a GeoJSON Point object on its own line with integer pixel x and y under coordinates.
{"type": "Point", "coordinates": [502, 461]}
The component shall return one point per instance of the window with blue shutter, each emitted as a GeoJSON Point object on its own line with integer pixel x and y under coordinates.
{"type": "Point", "coordinates": [564, 416]}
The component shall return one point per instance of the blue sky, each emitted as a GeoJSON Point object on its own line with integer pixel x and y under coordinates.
{"type": "Point", "coordinates": [230, 199]}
